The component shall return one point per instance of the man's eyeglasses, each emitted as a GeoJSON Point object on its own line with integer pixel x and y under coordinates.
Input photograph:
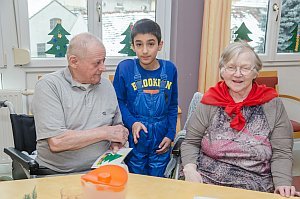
{"type": "Point", "coordinates": [243, 70]}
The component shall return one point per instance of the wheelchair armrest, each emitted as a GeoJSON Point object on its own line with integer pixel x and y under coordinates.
{"type": "Point", "coordinates": [177, 142]}
{"type": "Point", "coordinates": [26, 161]}
{"type": "Point", "coordinates": [176, 147]}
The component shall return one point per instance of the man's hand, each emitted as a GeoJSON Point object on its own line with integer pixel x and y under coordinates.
{"type": "Point", "coordinates": [119, 134]}
{"type": "Point", "coordinates": [136, 128]}
{"type": "Point", "coordinates": [287, 191]}
{"type": "Point", "coordinates": [191, 174]}
{"type": "Point", "coordinates": [164, 146]}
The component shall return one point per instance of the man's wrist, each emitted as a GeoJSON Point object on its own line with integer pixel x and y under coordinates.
{"type": "Point", "coordinates": [104, 133]}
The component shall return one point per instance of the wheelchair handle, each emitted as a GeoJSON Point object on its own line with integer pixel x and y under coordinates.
{"type": "Point", "coordinates": [2, 104]}
{"type": "Point", "coordinates": [9, 105]}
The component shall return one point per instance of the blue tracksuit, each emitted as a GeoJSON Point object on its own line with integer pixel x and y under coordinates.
{"type": "Point", "coordinates": [150, 97]}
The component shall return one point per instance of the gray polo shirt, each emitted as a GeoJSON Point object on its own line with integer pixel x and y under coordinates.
{"type": "Point", "coordinates": [61, 104]}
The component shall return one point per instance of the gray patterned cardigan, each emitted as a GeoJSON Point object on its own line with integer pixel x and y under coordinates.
{"type": "Point", "coordinates": [280, 138]}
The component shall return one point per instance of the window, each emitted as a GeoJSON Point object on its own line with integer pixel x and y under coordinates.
{"type": "Point", "coordinates": [117, 20]}
{"type": "Point", "coordinates": [53, 22]}
{"type": "Point", "coordinates": [108, 19]}
{"type": "Point", "coordinates": [41, 48]}
{"type": "Point", "coordinates": [66, 19]}
{"type": "Point", "coordinates": [119, 6]}
{"type": "Point", "coordinates": [272, 27]}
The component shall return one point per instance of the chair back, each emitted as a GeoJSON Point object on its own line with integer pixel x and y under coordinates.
{"type": "Point", "coordinates": [268, 78]}
{"type": "Point", "coordinates": [24, 133]}
{"type": "Point", "coordinates": [193, 104]}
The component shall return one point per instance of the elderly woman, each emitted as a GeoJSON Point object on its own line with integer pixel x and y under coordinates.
{"type": "Point", "coordinates": [240, 135]}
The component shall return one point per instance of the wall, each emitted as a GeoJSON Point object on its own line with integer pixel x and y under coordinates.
{"type": "Point", "coordinates": [186, 30]}
{"type": "Point", "coordinates": [288, 83]}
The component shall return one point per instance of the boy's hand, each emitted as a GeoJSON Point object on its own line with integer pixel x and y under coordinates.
{"type": "Point", "coordinates": [164, 146]}
{"type": "Point", "coordinates": [136, 128]}
{"type": "Point", "coordinates": [115, 146]}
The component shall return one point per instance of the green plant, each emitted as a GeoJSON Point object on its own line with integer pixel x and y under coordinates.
{"type": "Point", "coordinates": [33, 195]}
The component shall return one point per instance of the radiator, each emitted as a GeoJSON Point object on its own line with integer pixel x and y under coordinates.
{"type": "Point", "coordinates": [6, 136]}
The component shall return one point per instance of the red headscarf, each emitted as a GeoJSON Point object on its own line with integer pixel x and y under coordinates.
{"type": "Point", "coordinates": [219, 96]}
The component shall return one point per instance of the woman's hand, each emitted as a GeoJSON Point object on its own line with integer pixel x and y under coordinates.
{"type": "Point", "coordinates": [136, 128]}
{"type": "Point", "coordinates": [164, 145]}
{"type": "Point", "coordinates": [191, 174]}
{"type": "Point", "coordinates": [287, 191]}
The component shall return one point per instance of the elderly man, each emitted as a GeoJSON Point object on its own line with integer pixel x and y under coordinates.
{"type": "Point", "coordinates": [76, 111]}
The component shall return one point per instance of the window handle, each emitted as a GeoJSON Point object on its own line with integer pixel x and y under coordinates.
{"type": "Point", "coordinates": [99, 11]}
{"type": "Point", "coordinates": [276, 9]}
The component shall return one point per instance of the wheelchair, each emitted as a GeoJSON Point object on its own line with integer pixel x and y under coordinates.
{"type": "Point", "coordinates": [22, 154]}
{"type": "Point", "coordinates": [173, 167]}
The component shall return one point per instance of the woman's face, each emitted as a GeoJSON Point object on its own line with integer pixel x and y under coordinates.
{"type": "Point", "coordinates": [238, 74]}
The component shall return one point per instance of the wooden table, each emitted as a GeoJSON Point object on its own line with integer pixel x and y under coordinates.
{"type": "Point", "coordinates": [139, 187]}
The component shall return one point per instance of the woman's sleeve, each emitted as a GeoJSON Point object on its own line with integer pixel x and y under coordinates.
{"type": "Point", "coordinates": [195, 131]}
{"type": "Point", "coordinates": [282, 147]}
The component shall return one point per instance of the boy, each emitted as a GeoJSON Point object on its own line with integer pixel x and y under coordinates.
{"type": "Point", "coordinates": [147, 93]}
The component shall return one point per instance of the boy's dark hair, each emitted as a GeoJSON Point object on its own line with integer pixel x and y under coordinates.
{"type": "Point", "coordinates": [146, 26]}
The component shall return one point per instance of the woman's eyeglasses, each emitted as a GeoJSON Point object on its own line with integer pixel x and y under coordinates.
{"type": "Point", "coordinates": [243, 70]}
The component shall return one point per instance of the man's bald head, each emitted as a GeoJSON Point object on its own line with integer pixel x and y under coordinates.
{"type": "Point", "coordinates": [81, 44]}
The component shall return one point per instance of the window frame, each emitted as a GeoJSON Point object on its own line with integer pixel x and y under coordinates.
{"type": "Point", "coordinates": [2, 62]}
{"type": "Point", "coordinates": [270, 57]}
{"type": "Point", "coordinates": [1, 85]}
{"type": "Point", "coordinates": [163, 18]}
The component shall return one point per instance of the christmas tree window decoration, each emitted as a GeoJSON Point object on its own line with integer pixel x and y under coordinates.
{"type": "Point", "coordinates": [294, 39]}
{"type": "Point", "coordinates": [242, 33]}
{"type": "Point", "coordinates": [127, 41]}
{"type": "Point", "coordinates": [59, 41]}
